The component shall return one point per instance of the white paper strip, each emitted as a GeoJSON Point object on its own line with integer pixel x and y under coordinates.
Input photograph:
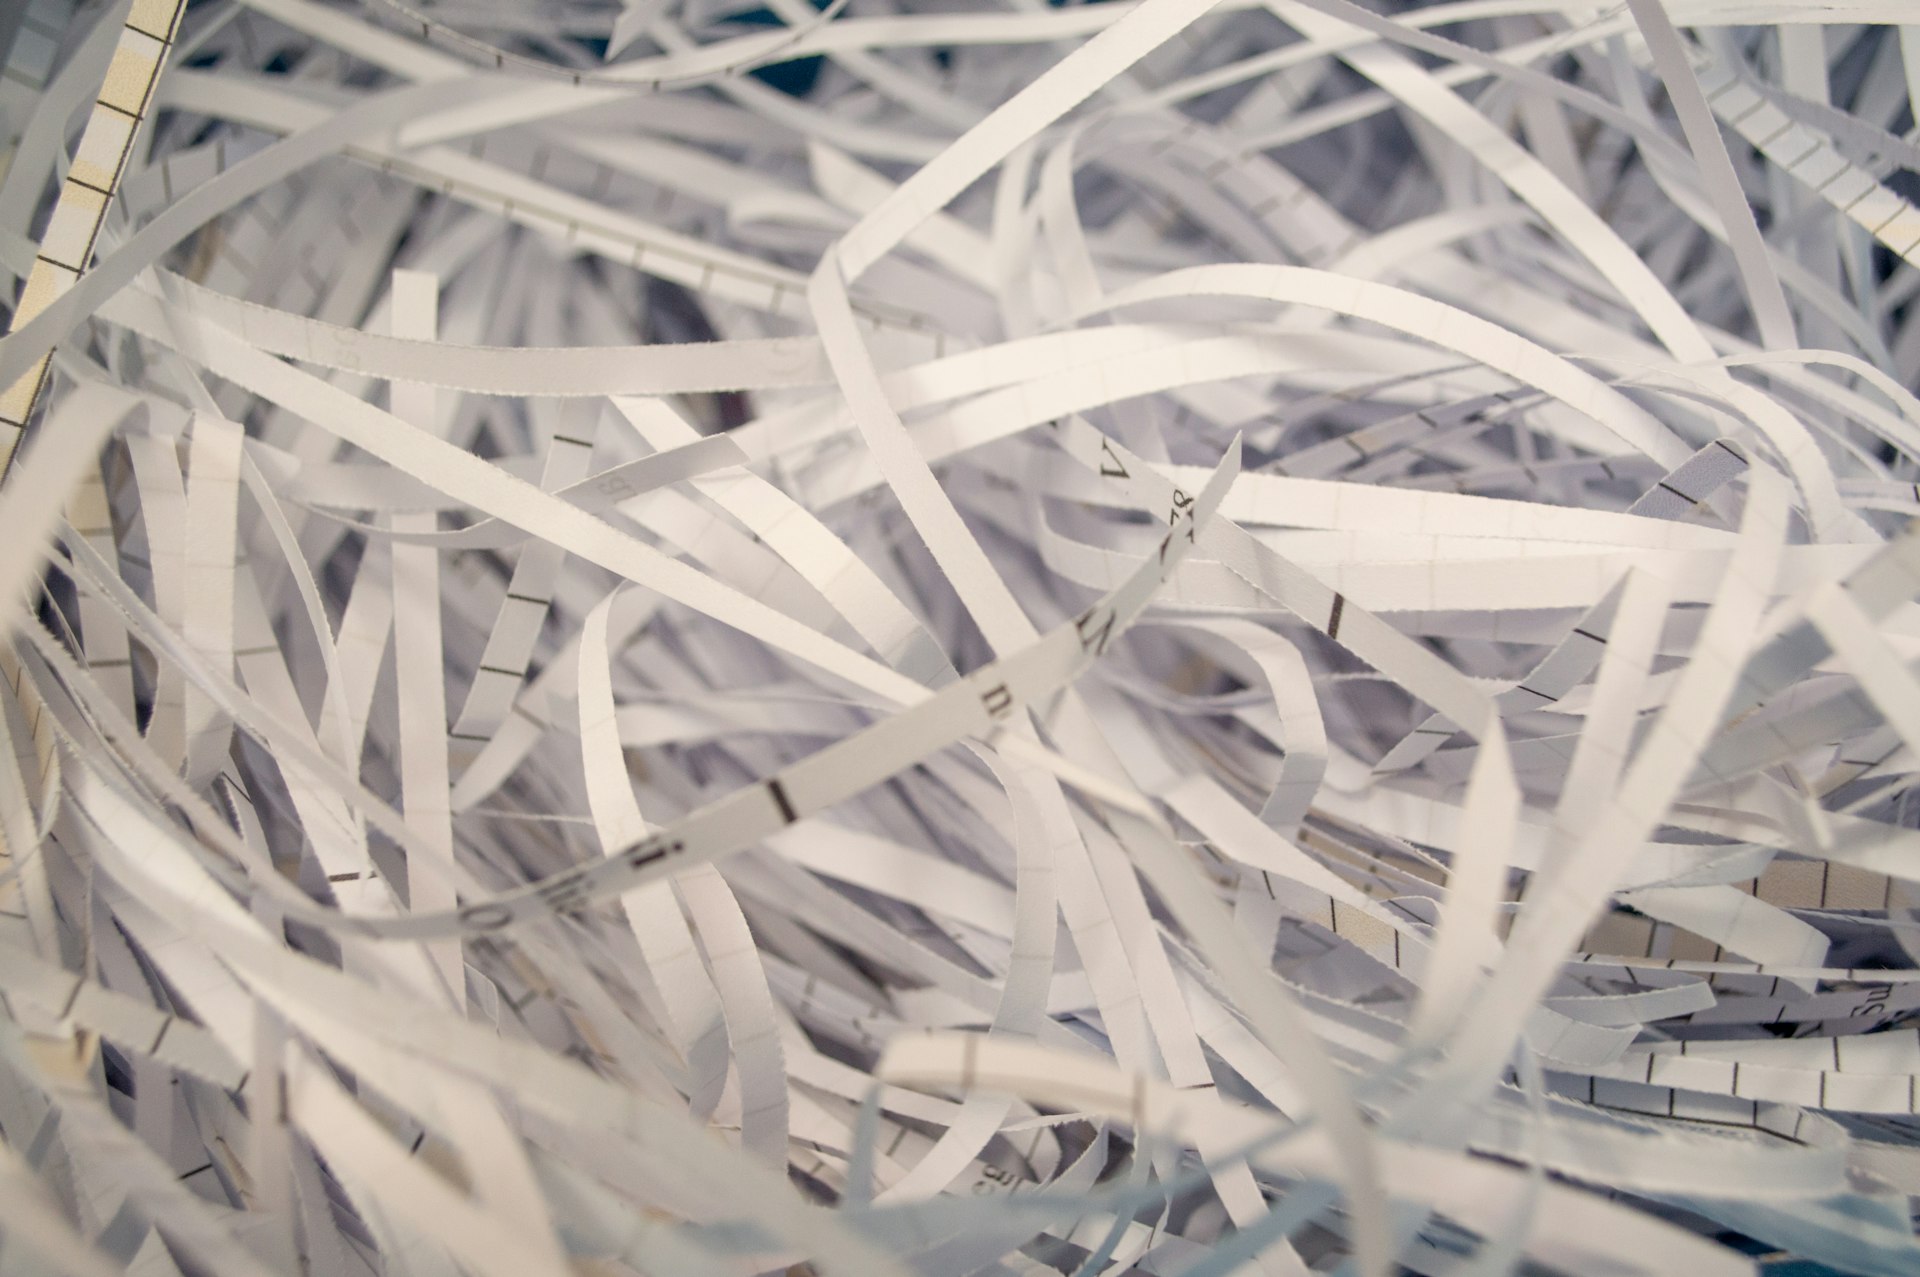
{"type": "Point", "coordinates": [1171, 636]}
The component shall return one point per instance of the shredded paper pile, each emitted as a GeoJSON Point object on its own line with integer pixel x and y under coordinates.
{"type": "Point", "coordinates": [942, 637]}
